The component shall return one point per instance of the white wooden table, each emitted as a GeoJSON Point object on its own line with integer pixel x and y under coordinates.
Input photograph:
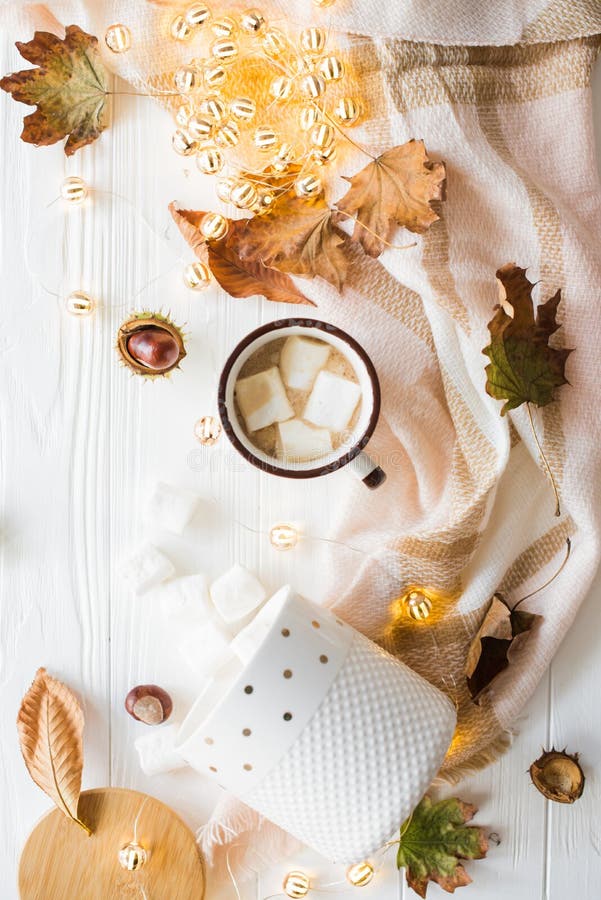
{"type": "Point", "coordinates": [81, 443]}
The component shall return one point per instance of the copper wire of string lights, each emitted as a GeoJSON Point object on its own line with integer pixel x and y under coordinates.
{"type": "Point", "coordinates": [75, 193]}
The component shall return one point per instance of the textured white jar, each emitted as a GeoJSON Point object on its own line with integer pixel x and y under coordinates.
{"type": "Point", "coordinates": [322, 732]}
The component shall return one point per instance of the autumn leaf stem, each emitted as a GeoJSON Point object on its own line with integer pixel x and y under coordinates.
{"type": "Point", "coordinates": [363, 225]}
{"type": "Point", "coordinates": [552, 578]}
{"type": "Point", "coordinates": [545, 460]}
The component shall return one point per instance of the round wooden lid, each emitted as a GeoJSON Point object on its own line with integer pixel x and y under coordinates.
{"type": "Point", "coordinates": [60, 862]}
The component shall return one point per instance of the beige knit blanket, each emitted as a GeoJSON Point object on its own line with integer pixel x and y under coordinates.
{"type": "Point", "coordinates": [503, 96]}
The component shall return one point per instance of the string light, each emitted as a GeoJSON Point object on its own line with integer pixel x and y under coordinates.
{"type": "Point", "coordinates": [360, 874]}
{"type": "Point", "coordinates": [277, 70]}
{"type": "Point", "coordinates": [197, 276]}
{"type": "Point", "coordinates": [132, 856]}
{"type": "Point", "coordinates": [296, 885]}
{"type": "Point", "coordinates": [207, 430]}
{"type": "Point", "coordinates": [214, 227]}
{"type": "Point", "coordinates": [118, 38]}
{"type": "Point", "coordinates": [80, 304]}
{"type": "Point", "coordinates": [74, 190]}
{"type": "Point", "coordinates": [416, 603]}
{"type": "Point", "coordinates": [283, 536]}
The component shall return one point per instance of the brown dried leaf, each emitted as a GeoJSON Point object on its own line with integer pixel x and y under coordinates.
{"type": "Point", "coordinates": [69, 88]}
{"type": "Point", "coordinates": [50, 725]}
{"type": "Point", "coordinates": [523, 367]}
{"type": "Point", "coordinates": [499, 637]}
{"type": "Point", "coordinates": [239, 277]}
{"type": "Point", "coordinates": [394, 189]}
{"type": "Point", "coordinates": [299, 237]}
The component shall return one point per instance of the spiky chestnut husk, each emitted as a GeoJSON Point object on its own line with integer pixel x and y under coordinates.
{"type": "Point", "coordinates": [147, 324]}
{"type": "Point", "coordinates": [558, 776]}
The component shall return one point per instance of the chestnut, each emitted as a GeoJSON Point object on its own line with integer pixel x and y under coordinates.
{"type": "Point", "coordinates": [150, 344]}
{"type": "Point", "coordinates": [149, 703]}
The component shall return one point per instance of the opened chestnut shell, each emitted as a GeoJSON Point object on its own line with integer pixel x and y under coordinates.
{"type": "Point", "coordinates": [558, 776]}
{"type": "Point", "coordinates": [150, 344]}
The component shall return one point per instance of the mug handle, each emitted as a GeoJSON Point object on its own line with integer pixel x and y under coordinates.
{"type": "Point", "coordinates": [367, 470]}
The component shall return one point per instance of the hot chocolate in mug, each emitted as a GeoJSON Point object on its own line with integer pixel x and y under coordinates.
{"type": "Point", "coordinates": [300, 398]}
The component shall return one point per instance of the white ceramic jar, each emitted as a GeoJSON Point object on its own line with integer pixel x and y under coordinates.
{"type": "Point", "coordinates": [322, 732]}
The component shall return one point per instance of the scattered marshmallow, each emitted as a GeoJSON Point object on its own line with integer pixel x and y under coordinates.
{"type": "Point", "coordinates": [262, 399]}
{"type": "Point", "coordinates": [332, 401]}
{"type": "Point", "coordinates": [186, 600]}
{"type": "Point", "coordinates": [157, 752]}
{"type": "Point", "coordinates": [246, 643]}
{"type": "Point", "coordinates": [146, 568]}
{"type": "Point", "coordinates": [236, 594]}
{"type": "Point", "coordinates": [171, 507]}
{"type": "Point", "coordinates": [300, 361]}
{"type": "Point", "coordinates": [299, 442]}
{"type": "Point", "coordinates": [205, 648]}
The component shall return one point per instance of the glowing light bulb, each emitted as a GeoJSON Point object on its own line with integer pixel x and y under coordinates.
{"type": "Point", "coordinates": [197, 276]}
{"type": "Point", "coordinates": [197, 14]}
{"type": "Point", "coordinates": [118, 38]}
{"type": "Point", "coordinates": [224, 27]}
{"type": "Point", "coordinates": [322, 135]}
{"type": "Point", "coordinates": [313, 40]}
{"type": "Point", "coordinates": [308, 186]}
{"type": "Point", "coordinates": [180, 30]}
{"type": "Point", "coordinates": [312, 86]}
{"type": "Point", "coordinates": [417, 604]}
{"type": "Point", "coordinates": [225, 50]}
{"type": "Point", "coordinates": [186, 79]}
{"type": "Point", "coordinates": [199, 128]}
{"type": "Point", "coordinates": [213, 107]}
{"type": "Point", "coordinates": [209, 160]}
{"type": "Point", "coordinates": [224, 188]}
{"type": "Point", "coordinates": [132, 857]}
{"type": "Point", "coordinates": [325, 155]}
{"type": "Point", "coordinates": [228, 135]}
{"type": "Point", "coordinates": [207, 430]}
{"type": "Point", "coordinates": [283, 536]}
{"type": "Point", "coordinates": [80, 304]}
{"type": "Point", "coordinates": [244, 195]}
{"type": "Point", "coordinates": [252, 21]}
{"type": "Point", "coordinates": [347, 111]}
{"type": "Point", "coordinates": [296, 885]}
{"type": "Point", "coordinates": [274, 43]}
{"type": "Point", "coordinates": [183, 143]}
{"type": "Point", "coordinates": [74, 190]}
{"type": "Point", "coordinates": [360, 874]}
{"type": "Point", "coordinates": [243, 108]}
{"type": "Point", "coordinates": [331, 68]}
{"type": "Point", "coordinates": [214, 227]}
{"type": "Point", "coordinates": [215, 76]}
{"type": "Point", "coordinates": [281, 88]}
{"type": "Point", "coordinates": [308, 117]}
{"type": "Point", "coordinates": [265, 139]}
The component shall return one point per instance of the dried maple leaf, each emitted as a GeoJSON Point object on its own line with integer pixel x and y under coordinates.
{"type": "Point", "coordinates": [69, 88]}
{"type": "Point", "coordinates": [433, 840]}
{"type": "Point", "coordinates": [50, 726]}
{"type": "Point", "coordinates": [394, 189]}
{"type": "Point", "coordinates": [498, 639]}
{"type": "Point", "coordinates": [239, 277]}
{"type": "Point", "coordinates": [523, 368]}
{"type": "Point", "coordinates": [299, 237]}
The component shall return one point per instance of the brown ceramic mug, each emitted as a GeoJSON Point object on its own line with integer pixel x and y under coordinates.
{"type": "Point", "coordinates": [351, 452]}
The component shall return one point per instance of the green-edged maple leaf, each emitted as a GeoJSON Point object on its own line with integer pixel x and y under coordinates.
{"type": "Point", "coordinates": [499, 637]}
{"type": "Point", "coordinates": [523, 367]}
{"type": "Point", "coordinates": [239, 277]}
{"type": "Point", "coordinates": [394, 189]}
{"type": "Point", "coordinates": [434, 839]}
{"type": "Point", "coordinates": [299, 237]}
{"type": "Point", "coordinates": [69, 88]}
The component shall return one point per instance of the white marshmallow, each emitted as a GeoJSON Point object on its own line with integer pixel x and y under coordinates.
{"type": "Point", "coordinates": [146, 568]}
{"type": "Point", "coordinates": [186, 600]}
{"type": "Point", "coordinates": [205, 648]}
{"type": "Point", "coordinates": [299, 442]}
{"type": "Point", "coordinates": [171, 507]}
{"type": "Point", "coordinates": [157, 752]}
{"type": "Point", "coordinates": [262, 399]}
{"type": "Point", "coordinates": [300, 361]}
{"type": "Point", "coordinates": [236, 594]}
{"type": "Point", "coordinates": [332, 401]}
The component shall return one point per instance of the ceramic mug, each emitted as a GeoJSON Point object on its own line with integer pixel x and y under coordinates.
{"type": "Point", "coordinates": [351, 452]}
